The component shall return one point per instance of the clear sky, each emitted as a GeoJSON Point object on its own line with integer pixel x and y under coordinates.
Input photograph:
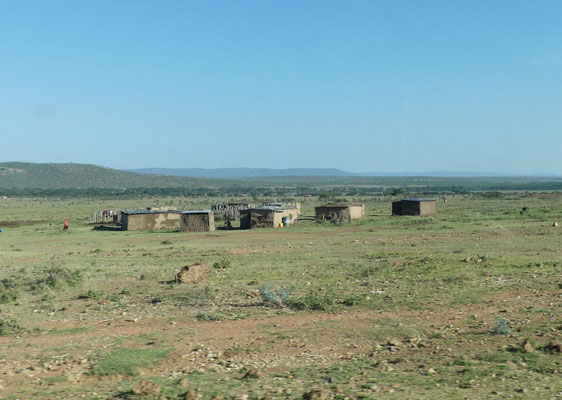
{"type": "Point", "coordinates": [358, 85]}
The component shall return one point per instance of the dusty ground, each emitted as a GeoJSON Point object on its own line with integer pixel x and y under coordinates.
{"type": "Point", "coordinates": [463, 305]}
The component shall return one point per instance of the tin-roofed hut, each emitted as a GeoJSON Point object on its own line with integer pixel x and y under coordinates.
{"type": "Point", "coordinates": [134, 220]}
{"type": "Point", "coordinates": [267, 217]}
{"type": "Point", "coordinates": [339, 211]}
{"type": "Point", "coordinates": [197, 221]}
{"type": "Point", "coordinates": [418, 207]}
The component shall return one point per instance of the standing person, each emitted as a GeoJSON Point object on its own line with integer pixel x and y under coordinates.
{"type": "Point", "coordinates": [65, 224]}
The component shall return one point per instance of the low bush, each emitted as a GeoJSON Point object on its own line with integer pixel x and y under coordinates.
{"type": "Point", "coordinates": [222, 264]}
{"type": "Point", "coordinates": [9, 327]}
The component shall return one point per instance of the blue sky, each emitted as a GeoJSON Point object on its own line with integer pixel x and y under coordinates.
{"type": "Point", "coordinates": [357, 85]}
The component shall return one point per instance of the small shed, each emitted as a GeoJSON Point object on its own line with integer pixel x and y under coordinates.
{"type": "Point", "coordinates": [419, 207]}
{"type": "Point", "coordinates": [197, 221]}
{"type": "Point", "coordinates": [341, 211]}
{"type": "Point", "coordinates": [135, 220]}
{"type": "Point", "coordinates": [266, 217]}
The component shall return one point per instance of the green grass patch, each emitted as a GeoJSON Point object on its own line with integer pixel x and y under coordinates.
{"type": "Point", "coordinates": [125, 361]}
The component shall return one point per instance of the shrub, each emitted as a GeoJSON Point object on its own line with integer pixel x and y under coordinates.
{"type": "Point", "coordinates": [8, 290]}
{"type": "Point", "coordinates": [500, 326]}
{"type": "Point", "coordinates": [312, 301]}
{"type": "Point", "coordinates": [273, 298]}
{"type": "Point", "coordinates": [92, 294]}
{"type": "Point", "coordinates": [222, 264]}
{"type": "Point", "coordinates": [8, 296]}
{"type": "Point", "coordinates": [9, 327]}
{"type": "Point", "coordinates": [56, 277]}
{"type": "Point", "coordinates": [209, 316]}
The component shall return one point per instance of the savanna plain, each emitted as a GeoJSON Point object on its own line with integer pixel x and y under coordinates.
{"type": "Point", "coordinates": [463, 304]}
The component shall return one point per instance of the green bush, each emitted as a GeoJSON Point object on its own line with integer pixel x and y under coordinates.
{"type": "Point", "coordinates": [56, 277]}
{"type": "Point", "coordinates": [9, 327]}
{"type": "Point", "coordinates": [312, 301]}
{"type": "Point", "coordinates": [274, 298]}
{"type": "Point", "coordinates": [209, 316]}
{"type": "Point", "coordinates": [92, 294]}
{"type": "Point", "coordinates": [222, 264]}
{"type": "Point", "coordinates": [500, 326]}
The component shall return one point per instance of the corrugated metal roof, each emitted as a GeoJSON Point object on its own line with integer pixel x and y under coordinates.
{"type": "Point", "coordinates": [418, 200]}
{"type": "Point", "coordinates": [344, 205]}
{"type": "Point", "coordinates": [129, 212]}
{"type": "Point", "coordinates": [266, 208]}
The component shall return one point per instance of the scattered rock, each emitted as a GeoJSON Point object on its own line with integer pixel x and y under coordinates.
{"type": "Point", "coordinates": [194, 273]}
{"type": "Point", "coordinates": [554, 346]}
{"type": "Point", "coordinates": [146, 388]}
{"type": "Point", "coordinates": [183, 382]}
{"type": "Point", "coordinates": [527, 347]}
{"type": "Point", "coordinates": [190, 395]}
{"type": "Point", "coordinates": [252, 374]}
{"type": "Point", "coordinates": [316, 394]}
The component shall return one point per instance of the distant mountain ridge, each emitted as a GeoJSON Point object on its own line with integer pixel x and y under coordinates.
{"type": "Point", "coordinates": [241, 173]}
{"type": "Point", "coordinates": [244, 173]}
{"type": "Point", "coordinates": [83, 176]}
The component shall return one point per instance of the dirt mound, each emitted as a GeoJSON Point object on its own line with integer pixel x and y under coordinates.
{"type": "Point", "coordinates": [193, 273]}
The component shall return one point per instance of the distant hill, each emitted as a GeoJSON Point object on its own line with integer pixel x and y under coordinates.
{"type": "Point", "coordinates": [23, 175]}
{"type": "Point", "coordinates": [248, 173]}
{"type": "Point", "coordinates": [242, 173]}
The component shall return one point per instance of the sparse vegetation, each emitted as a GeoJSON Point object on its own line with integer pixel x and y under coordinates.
{"type": "Point", "coordinates": [388, 307]}
{"type": "Point", "coordinates": [127, 361]}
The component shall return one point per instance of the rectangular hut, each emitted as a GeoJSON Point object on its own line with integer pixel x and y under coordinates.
{"type": "Point", "coordinates": [339, 211]}
{"type": "Point", "coordinates": [136, 220]}
{"type": "Point", "coordinates": [197, 221]}
{"type": "Point", "coordinates": [419, 207]}
{"type": "Point", "coordinates": [267, 217]}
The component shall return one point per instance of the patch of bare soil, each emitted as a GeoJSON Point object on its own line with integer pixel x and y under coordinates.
{"type": "Point", "coordinates": [271, 344]}
{"type": "Point", "coordinates": [15, 224]}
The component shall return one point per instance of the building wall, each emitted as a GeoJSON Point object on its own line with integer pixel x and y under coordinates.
{"type": "Point", "coordinates": [134, 222]}
{"type": "Point", "coordinates": [245, 221]}
{"type": "Point", "coordinates": [413, 208]}
{"type": "Point", "coordinates": [262, 219]}
{"type": "Point", "coordinates": [357, 211]}
{"type": "Point", "coordinates": [193, 222]}
{"type": "Point", "coordinates": [327, 213]}
{"type": "Point", "coordinates": [428, 208]}
{"type": "Point", "coordinates": [251, 219]}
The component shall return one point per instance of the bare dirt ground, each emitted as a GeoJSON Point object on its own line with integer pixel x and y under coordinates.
{"type": "Point", "coordinates": [276, 345]}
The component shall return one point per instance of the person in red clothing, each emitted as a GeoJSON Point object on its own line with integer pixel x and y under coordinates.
{"type": "Point", "coordinates": [65, 224]}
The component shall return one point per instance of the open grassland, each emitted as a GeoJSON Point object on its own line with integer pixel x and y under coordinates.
{"type": "Point", "coordinates": [465, 304]}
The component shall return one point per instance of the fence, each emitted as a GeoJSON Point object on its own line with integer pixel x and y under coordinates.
{"type": "Point", "coordinates": [105, 217]}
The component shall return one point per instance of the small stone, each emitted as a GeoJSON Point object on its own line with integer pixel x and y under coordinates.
{"type": "Point", "coordinates": [184, 382]}
{"type": "Point", "coordinates": [146, 388]}
{"type": "Point", "coordinates": [252, 374]}
{"type": "Point", "coordinates": [555, 346]}
{"type": "Point", "coordinates": [190, 395]}
{"type": "Point", "coordinates": [316, 394]}
{"type": "Point", "coordinates": [527, 347]}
